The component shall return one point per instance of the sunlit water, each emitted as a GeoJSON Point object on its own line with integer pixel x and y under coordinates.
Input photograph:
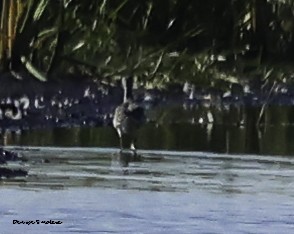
{"type": "Point", "coordinates": [97, 190]}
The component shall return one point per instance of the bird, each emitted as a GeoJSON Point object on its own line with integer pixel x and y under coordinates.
{"type": "Point", "coordinates": [128, 117]}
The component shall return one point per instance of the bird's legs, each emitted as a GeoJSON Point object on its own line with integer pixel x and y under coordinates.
{"type": "Point", "coordinates": [132, 145]}
{"type": "Point", "coordinates": [121, 144]}
{"type": "Point", "coordinates": [133, 149]}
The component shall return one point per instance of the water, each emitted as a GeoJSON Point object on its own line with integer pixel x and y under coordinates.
{"type": "Point", "coordinates": [98, 190]}
{"type": "Point", "coordinates": [189, 178]}
{"type": "Point", "coordinates": [268, 140]}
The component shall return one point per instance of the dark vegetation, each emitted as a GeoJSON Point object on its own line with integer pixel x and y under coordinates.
{"type": "Point", "coordinates": [212, 43]}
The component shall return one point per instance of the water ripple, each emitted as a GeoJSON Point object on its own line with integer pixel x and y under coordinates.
{"type": "Point", "coordinates": [55, 167]}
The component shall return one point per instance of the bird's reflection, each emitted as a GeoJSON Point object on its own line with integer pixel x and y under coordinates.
{"type": "Point", "coordinates": [120, 162]}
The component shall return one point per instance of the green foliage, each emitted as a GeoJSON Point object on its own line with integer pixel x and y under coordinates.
{"type": "Point", "coordinates": [159, 41]}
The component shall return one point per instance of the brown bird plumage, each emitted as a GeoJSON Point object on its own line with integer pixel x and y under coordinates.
{"type": "Point", "coordinates": [128, 117]}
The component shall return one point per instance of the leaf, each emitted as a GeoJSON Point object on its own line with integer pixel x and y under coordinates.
{"type": "Point", "coordinates": [47, 32]}
{"type": "Point", "coordinates": [115, 12]}
{"type": "Point", "coordinates": [34, 71]}
{"type": "Point", "coordinates": [40, 9]}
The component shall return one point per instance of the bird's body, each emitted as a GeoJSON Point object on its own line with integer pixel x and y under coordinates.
{"type": "Point", "coordinates": [128, 117]}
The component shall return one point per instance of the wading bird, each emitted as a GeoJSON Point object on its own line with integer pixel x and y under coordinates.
{"type": "Point", "coordinates": [128, 117]}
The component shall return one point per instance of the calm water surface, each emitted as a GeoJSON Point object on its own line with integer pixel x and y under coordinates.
{"type": "Point", "coordinates": [189, 178]}
{"type": "Point", "coordinates": [98, 190]}
{"type": "Point", "coordinates": [270, 140]}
